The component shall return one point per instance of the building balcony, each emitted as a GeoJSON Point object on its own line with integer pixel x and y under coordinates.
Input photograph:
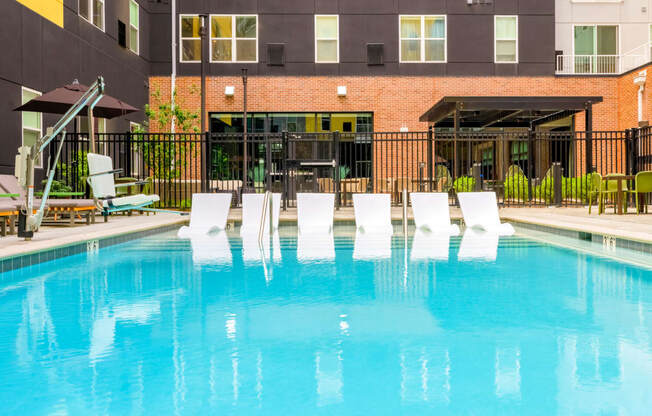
{"type": "Point", "coordinates": [602, 64]}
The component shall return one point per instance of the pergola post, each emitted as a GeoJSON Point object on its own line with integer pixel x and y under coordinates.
{"type": "Point", "coordinates": [588, 110]}
{"type": "Point", "coordinates": [456, 127]}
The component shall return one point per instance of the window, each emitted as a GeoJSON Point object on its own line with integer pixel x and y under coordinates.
{"type": "Point", "coordinates": [93, 11]}
{"type": "Point", "coordinates": [190, 38]}
{"type": "Point", "coordinates": [229, 45]}
{"type": "Point", "coordinates": [31, 122]}
{"type": "Point", "coordinates": [134, 21]}
{"type": "Point", "coordinates": [506, 39]}
{"type": "Point", "coordinates": [422, 38]}
{"type": "Point", "coordinates": [595, 49]}
{"type": "Point", "coordinates": [327, 32]}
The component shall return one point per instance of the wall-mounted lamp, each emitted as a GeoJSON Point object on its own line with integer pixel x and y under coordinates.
{"type": "Point", "coordinates": [229, 91]}
{"type": "Point", "coordinates": [404, 129]}
{"type": "Point", "coordinates": [341, 91]}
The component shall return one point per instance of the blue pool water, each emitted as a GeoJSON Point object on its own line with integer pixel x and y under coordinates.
{"type": "Point", "coordinates": [160, 326]}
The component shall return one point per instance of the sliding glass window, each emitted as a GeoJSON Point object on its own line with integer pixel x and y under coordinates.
{"type": "Point", "coordinates": [596, 49]}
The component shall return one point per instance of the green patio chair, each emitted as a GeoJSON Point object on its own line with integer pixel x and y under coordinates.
{"type": "Point", "coordinates": [593, 189]}
{"type": "Point", "coordinates": [609, 188]}
{"type": "Point", "coordinates": [642, 185]}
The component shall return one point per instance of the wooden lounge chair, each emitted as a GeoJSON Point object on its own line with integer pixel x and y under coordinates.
{"type": "Point", "coordinates": [8, 215]}
{"type": "Point", "coordinates": [72, 207]}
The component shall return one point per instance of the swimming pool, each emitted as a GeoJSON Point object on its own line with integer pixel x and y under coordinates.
{"type": "Point", "coordinates": [164, 326]}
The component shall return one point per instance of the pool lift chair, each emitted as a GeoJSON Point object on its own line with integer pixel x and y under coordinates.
{"type": "Point", "coordinates": [29, 218]}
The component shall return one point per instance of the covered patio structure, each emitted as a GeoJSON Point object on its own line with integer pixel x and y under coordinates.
{"type": "Point", "coordinates": [501, 120]}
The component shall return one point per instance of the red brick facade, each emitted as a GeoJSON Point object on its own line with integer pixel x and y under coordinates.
{"type": "Point", "coordinates": [399, 101]}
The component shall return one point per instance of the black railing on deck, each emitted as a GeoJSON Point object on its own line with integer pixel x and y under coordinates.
{"type": "Point", "coordinates": [529, 168]}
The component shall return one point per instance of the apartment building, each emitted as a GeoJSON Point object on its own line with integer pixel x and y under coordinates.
{"type": "Point", "coordinates": [602, 36]}
{"type": "Point", "coordinates": [49, 44]}
{"type": "Point", "coordinates": [323, 65]}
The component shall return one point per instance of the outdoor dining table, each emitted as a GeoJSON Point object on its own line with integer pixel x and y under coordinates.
{"type": "Point", "coordinates": [620, 200]}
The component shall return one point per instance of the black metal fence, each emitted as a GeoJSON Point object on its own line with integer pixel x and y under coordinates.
{"type": "Point", "coordinates": [524, 167]}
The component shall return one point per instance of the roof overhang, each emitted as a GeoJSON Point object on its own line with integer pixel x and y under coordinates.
{"type": "Point", "coordinates": [482, 112]}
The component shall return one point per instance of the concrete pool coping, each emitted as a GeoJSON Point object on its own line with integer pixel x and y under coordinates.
{"type": "Point", "coordinates": [629, 231]}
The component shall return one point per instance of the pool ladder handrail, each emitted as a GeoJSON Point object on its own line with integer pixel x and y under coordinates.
{"type": "Point", "coordinates": [263, 216]}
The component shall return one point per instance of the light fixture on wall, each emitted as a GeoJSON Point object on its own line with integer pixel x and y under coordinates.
{"type": "Point", "coordinates": [341, 91]}
{"type": "Point", "coordinates": [229, 91]}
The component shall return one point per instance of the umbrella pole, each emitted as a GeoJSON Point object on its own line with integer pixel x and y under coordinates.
{"type": "Point", "coordinates": [91, 129]}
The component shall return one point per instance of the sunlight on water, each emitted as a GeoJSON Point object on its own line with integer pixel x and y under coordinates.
{"type": "Point", "coordinates": [344, 325]}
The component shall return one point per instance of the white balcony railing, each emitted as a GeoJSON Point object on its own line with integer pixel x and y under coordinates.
{"type": "Point", "coordinates": [603, 64]}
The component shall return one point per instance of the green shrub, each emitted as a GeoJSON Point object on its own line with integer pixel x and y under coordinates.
{"type": "Point", "coordinates": [516, 187]}
{"type": "Point", "coordinates": [577, 188]}
{"type": "Point", "coordinates": [545, 191]}
{"type": "Point", "coordinates": [74, 174]}
{"type": "Point", "coordinates": [56, 186]}
{"type": "Point", "coordinates": [464, 184]}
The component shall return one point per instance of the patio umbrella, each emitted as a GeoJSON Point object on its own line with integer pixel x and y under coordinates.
{"type": "Point", "coordinates": [58, 101]}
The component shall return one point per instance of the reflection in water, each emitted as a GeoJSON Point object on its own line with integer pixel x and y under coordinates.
{"type": "Point", "coordinates": [508, 372]}
{"type": "Point", "coordinates": [252, 252]}
{"type": "Point", "coordinates": [328, 372]}
{"type": "Point", "coordinates": [315, 246]}
{"type": "Point", "coordinates": [144, 332]}
{"type": "Point", "coordinates": [369, 245]}
{"type": "Point", "coordinates": [478, 245]}
{"type": "Point", "coordinates": [211, 248]}
{"type": "Point", "coordinates": [427, 245]}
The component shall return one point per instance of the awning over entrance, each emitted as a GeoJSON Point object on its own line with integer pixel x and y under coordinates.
{"type": "Point", "coordinates": [483, 112]}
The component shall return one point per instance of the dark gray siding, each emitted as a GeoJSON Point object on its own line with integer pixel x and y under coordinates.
{"type": "Point", "coordinates": [42, 56]}
{"type": "Point", "coordinates": [470, 36]}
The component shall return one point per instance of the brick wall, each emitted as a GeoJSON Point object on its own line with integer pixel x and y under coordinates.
{"type": "Point", "coordinates": [395, 101]}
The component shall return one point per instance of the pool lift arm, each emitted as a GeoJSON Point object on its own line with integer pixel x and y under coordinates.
{"type": "Point", "coordinates": [28, 220]}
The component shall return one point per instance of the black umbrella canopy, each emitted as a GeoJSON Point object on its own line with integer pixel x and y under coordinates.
{"type": "Point", "coordinates": [60, 100]}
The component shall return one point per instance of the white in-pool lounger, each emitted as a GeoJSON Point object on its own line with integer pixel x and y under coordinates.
{"type": "Point", "coordinates": [427, 245]}
{"type": "Point", "coordinates": [101, 180]}
{"type": "Point", "coordinates": [478, 245]}
{"type": "Point", "coordinates": [431, 213]}
{"type": "Point", "coordinates": [480, 210]}
{"type": "Point", "coordinates": [315, 213]}
{"type": "Point", "coordinates": [252, 208]}
{"type": "Point", "coordinates": [373, 219]}
{"type": "Point", "coordinates": [315, 223]}
{"type": "Point", "coordinates": [209, 213]}
{"type": "Point", "coordinates": [373, 213]}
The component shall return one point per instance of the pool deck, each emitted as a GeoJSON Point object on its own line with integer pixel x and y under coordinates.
{"type": "Point", "coordinates": [625, 227]}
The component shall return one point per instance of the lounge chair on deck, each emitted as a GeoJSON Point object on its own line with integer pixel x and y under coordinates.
{"type": "Point", "coordinates": [252, 209]}
{"type": "Point", "coordinates": [431, 213]}
{"type": "Point", "coordinates": [103, 184]}
{"type": "Point", "coordinates": [480, 210]}
{"type": "Point", "coordinates": [478, 245]}
{"type": "Point", "coordinates": [73, 207]}
{"type": "Point", "coordinates": [209, 213]}
{"type": "Point", "coordinates": [315, 213]}
{"type": "Point", "coordinates": [373, 213]}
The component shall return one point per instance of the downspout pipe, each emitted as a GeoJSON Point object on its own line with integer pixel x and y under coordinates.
{"type": "Point", "coordinates": [173, 75]}
{"type": "Point", "coordinates": [640, 82]}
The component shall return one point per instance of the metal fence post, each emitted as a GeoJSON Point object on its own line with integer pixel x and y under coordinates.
{"type": "Point", "coordinates": [634, 137]}
{"type": "Point", "coordinates": [268, 164]}
{"type": "Point", "coordinates": [530, 161]}
{"type": "Point", "coordinates": [205, 161]}
{"type": "Point", "coordinates": [336, 148]}
{"type": "Point", "coordinates": [431, 168]}
{"type": "Point", "coordinates": [477, 176]}
{"type": "Point", "coordinates": [556, 183]}
{"type": "Point", "coordinates": [285, 139]}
